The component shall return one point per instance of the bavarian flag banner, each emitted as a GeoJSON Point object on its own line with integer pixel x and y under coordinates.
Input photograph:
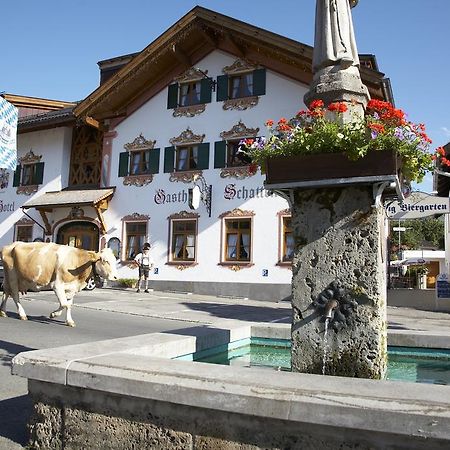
{"type": "Point", "coordinates": [8, 135]}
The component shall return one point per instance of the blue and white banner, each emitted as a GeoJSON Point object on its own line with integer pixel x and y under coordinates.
{"type": "Point", "coordinates": [8, 135]}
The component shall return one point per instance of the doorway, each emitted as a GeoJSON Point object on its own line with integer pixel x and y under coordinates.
{"type": "Point", "coordinates": [83, 235]}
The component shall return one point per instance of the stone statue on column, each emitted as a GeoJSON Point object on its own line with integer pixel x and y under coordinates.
{"type": "Point", "coordinates": [335, 58]}
{"type": "Point", "coordinates": [335, 43]}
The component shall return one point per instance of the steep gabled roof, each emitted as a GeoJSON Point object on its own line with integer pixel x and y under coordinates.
{"type": "Point", "coordinates": [194, 36]}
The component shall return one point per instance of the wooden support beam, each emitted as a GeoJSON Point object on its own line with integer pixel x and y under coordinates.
{"type": "Point", "coordinates": [100, 207]}
{"type": "Point", "coordinates": [212, 39]}
{"type": "Point", "coordinates": [102, 204]}
{"type": "Point", "coordinates": [181, 55]}
{"type": "Point", "coordinates": [93, 123]}
{"type": "Point", "coordinates": [101, 219]}
{"type": "Point", "coordinates": [238, 48]}
{"type": "Point", "coordinates": [48, 227]}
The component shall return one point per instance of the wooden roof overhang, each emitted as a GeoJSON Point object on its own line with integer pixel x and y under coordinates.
{"type": "Point", "coordinates": [44, 104]}
{"type": "Point", "coordinates": [194, 36]}
{"type": "Point", "coordinates": [97, 198]}
{"type": "Point", "coordinates": [52, 119]}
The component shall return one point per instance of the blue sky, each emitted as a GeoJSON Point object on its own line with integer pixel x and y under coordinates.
{"type": "Point", "coordinates": [50, 47]}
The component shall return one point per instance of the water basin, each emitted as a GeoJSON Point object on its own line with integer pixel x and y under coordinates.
{"type": "Point", "coordinates": [404, 364]}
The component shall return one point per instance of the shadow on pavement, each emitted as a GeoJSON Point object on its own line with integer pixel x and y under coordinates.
{"type": "Point", "coordinates": [9, 351]}
{"type": "Point", "coordinates": [243, 312]}
{"type": "Point", "coordinates": [14, 415]}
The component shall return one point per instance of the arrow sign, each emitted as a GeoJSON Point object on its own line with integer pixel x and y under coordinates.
{"type": "Point", "coordinates": [417, 205]}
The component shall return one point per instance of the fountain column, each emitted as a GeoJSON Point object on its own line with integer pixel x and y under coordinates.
{"type": "Point", "coordinates": [339, 267]}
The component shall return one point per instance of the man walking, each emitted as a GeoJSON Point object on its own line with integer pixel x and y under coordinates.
{"type": "Point", "coordinates": [144, 262]}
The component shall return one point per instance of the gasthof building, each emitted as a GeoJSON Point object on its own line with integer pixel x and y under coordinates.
{"type": "Point", "coordinates": [117, 169]}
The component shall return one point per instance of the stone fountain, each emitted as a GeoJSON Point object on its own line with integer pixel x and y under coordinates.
{"type": "Point", "coordinates": [339, 288]}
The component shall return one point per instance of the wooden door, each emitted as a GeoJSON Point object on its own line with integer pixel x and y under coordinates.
{"type": "Point", "coordinates": [83, 235]}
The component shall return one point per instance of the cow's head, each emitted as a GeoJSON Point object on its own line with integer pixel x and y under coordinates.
{"type": "Point", "coordinates": [105, 267]}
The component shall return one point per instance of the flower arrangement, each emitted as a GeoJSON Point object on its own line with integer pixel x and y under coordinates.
{"type": "Point", "coordinates": [323, 130]}
{"type": "Point", "coordinates": [441, 157]}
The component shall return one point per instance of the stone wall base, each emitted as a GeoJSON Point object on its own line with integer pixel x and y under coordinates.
{"type": "Point", "coordinates": [73, 418]}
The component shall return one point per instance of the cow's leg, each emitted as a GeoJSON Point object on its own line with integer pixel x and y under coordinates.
{"type": "Point", "coordinates": [57, 312]}
{"type": "Point", "coordinates": [64, 303]}
{"type": "Point", "coordinates": [69, 320]}
{"type": "Point", "coordinates": [20, 310]}
{"type": "Point", "coordinates": [3, 305]}
{"type": "Point", "coordinates": [19, 307]}
{"type": "Point", "coordinates": [12, 289]}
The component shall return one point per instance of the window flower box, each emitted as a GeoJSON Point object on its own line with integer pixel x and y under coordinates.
{"type": "Point", "coordinates": [322, 146]}
{"type": "Point", "coordinates": [383, 165]}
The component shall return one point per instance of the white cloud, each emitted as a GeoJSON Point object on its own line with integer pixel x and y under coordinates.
{"type": "Point", "coordinates": [446, 131]}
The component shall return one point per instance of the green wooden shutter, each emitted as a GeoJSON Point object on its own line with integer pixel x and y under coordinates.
{"type": "Point", "coordinates": [172, 96]}
{"type": "Point", "coordinates": [154, 160]}
{"type": "Point", "coordinates": [222, 88]}
{"type": "Point", "coordinates": [39, 173]}
{"type": "Point", "coordinates": [205, 90]}
{"type": "Point", "coordinates": [203, 156]}
{"type": "Point", "coordinates": [169, 159]}
{"type": "Point", "coordinates": [259, 82]}
{"type": "Point", "coordinates": [123, 164]}
{"type": "Point", "coordinates": [17, 173]}
{"type": "Point", "coordinates": [220, 153]}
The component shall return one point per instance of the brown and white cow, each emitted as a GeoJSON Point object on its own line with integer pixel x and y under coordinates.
{"type": "Point", "coordinates": [39, 265]}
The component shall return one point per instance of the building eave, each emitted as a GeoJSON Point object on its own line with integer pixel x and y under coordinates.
{"type": "Point", "coordinates": [195, 35]}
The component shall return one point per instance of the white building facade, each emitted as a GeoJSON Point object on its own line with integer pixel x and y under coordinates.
{"type": "Point", "coordinates": [167, 119]}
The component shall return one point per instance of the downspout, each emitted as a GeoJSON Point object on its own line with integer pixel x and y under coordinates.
{"type": "Point", "coordinates": [36, 222]}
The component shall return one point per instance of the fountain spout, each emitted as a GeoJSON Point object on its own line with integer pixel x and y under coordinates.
{"type": "Point", "coordinates": [331, 305]}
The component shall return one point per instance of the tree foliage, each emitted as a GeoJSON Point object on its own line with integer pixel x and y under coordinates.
{"type": "Point", "coordinates": [420, 233]}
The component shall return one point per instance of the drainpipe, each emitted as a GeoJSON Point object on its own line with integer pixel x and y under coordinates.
{"type": "Point", "coordinates": [36, 222]}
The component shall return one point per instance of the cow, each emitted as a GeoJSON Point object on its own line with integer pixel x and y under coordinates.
{"type": "Point", "coordinates": [64, 269]}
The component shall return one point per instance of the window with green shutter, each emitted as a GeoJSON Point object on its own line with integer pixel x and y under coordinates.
{"type": "Point", "coordinates": [203, 156]}
{"type": "Point", "coordinates": [169, 159]}
{"type": "Point", "coordinates": [29, 174]}
{"type": "Point", "coordinates": [17, 174]}
{"type": "Point", "coordinates": [259, 82]}
{"type": "Point", "coordinates": [38, 177]}
{"type": "Point", "coordinates": [222, 88]}
{"type": "Point", "coordinates": [220, 152]}
{"type": "Point", "coordinates": [124, 164]}
{"type": "Point", "coordinates": [206, 90]}
{"type": "Point", "coordinates": [154, 160]}
{"type": "Point", "coordinates": [241, 85]}
{"type": "Point", "coordinates": [189, 93]}
{"type": "Point", "coordinates": [141, 162]}
{"type": "Point", "coordinates": [172, 96]}
{"type": "Point", "coordinates": [228, 154]}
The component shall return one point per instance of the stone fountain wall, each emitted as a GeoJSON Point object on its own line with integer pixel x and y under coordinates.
{"type": "Point", "coordinates": [339, 254]}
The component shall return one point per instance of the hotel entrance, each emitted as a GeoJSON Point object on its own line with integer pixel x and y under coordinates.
{"type": "Point", "coordinates": [83, 235]}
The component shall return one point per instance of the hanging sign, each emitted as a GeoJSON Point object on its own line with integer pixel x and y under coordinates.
{"type": "Point", "coordinates": [195, 196]}
{"type": "Point", "coordinates": [417, 205]}
{"type": "Point", "coordinates": [442, 286]}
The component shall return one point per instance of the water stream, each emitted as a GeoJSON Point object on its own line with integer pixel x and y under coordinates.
{"type": "Point", "coordinates": [325, 345]}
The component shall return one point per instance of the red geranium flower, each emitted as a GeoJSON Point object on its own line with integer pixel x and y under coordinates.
{"type": "Point", "coordinates": [316, 104]}
{"type": "Point", "coordinates": [378, 127]}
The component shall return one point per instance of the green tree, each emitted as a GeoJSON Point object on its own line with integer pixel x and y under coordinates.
{"type": "Point", "coordinates": [425, 232]}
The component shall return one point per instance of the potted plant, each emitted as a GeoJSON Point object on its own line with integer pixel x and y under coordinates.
{"type": "Point", "coordinates": [127, 282]}
{"type": "Point", "coordinates": [318, 144]}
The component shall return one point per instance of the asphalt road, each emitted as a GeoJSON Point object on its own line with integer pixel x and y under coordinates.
{"type": "Point", "coordinates": [40, 332]}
